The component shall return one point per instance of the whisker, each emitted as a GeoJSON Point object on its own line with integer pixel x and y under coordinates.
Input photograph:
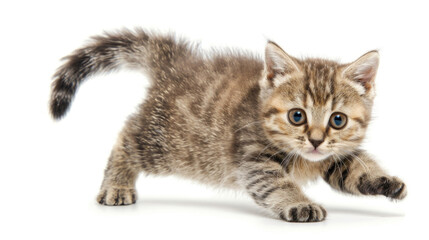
{"type": "Point", "coordinates": [361, 162]}
{"type": "Point", "coordinates": [247, 125]}
{"type": "Point", "coordinates": [286, 159]}
{"type": "Point", "coordinates": [265, 148]}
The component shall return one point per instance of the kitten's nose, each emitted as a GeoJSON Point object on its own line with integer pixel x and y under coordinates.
{"type": "Point", "coordinates": [316, 136]}
{"type": "Point", "coordinates": [315, 143]}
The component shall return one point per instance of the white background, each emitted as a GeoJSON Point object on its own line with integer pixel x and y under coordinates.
{"type": "Point", "coordinates": [50, 171]}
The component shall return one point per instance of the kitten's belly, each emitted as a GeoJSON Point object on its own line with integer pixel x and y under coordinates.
{"type": "Point", "coordinates": [206, 166]}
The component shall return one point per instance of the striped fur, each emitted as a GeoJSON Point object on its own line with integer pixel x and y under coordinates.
{"type": "Point", "coordinates": [221, 118]}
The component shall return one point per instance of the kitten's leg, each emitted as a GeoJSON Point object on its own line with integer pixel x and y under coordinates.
{"type": "Point", "coordinates": [270, 187]}
{"type": "Point", "coordinates": [359, 174]}
{"type": "Point", "coordinates": [118, 187]}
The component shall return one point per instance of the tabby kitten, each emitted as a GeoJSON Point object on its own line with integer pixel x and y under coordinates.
{"type": "Point", "coordinates": [231, 119]}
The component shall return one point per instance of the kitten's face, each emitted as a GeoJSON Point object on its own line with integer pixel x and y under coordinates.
{"type": "Point", "coordinates": [318, 108]}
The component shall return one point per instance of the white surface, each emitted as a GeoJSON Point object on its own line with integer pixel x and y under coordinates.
{"type": "Point", "coordinates": [50, 172]}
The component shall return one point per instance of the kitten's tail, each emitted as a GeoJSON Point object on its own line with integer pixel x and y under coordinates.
{"type": "Point", "coordinates": [157, 55]}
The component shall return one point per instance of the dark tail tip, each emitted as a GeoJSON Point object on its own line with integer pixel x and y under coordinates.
{"type": "Point", "coordinates": [59, 107]}
{"type": "Point", "coordinates": [60, 102]}
{"type": "Point", "coordinates": [67, 80]}
{"type": "Point", "coordinates": [63, 90]}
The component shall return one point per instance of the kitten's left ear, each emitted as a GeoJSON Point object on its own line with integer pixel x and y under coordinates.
{"type": "Point", "coordinates": [363, 71]}
{"type": "Point", "coordinates": [278, 64]}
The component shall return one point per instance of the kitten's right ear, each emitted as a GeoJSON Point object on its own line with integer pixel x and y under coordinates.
{"type": "Point", "coordinates": [278, 64]}
{"type": "Point", "coordinates": [363, 71]}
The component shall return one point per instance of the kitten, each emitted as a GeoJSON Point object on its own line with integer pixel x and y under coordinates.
{"type": "Point", "coordinates": [231, 119]}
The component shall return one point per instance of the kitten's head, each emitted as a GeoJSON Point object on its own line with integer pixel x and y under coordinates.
{"type": "Point", "coordinates": [317, 108]}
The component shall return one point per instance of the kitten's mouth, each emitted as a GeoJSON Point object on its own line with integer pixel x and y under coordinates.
{"type": "Point", "coordinates": [315, 155]}
{"type": "Point", "coordinates": [315, 151]}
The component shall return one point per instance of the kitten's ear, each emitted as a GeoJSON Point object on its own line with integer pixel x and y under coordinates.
{"type": "Point", "coordinates": [363, 71]}
{"type": "Point", "coordinates": [278, 63]}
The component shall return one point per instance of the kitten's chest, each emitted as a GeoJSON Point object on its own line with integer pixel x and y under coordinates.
{"type": "Point", "coordinates": [302, 171]}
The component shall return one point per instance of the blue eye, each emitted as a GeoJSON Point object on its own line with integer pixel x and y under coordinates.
{"type": "Point", "coordinates": [338, 120]}
{"type": "Point", "coordinates": [297, 116]}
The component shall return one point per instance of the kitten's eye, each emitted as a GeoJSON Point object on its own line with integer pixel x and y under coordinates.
{"type": "Point", "coordinates": [297, 116]}
{"type": "Point", "coordinates": [338, 120]}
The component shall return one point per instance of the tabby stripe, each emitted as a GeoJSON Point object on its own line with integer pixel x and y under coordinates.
{"type": "Point", "coordinates": [255, 182]}
{"type": "Point", "coordinates": [330, 171]}
{"type": "Point", "coordinates": [343, 164]}
{"type": "Point", "coordinates": [254, 173]}
{"type": "Point", "coordinates": [313, 98]}
{"type": "Point", "coordinates": [306, 128]}
{"type": "Point", "coordinates": [288, 167]}
{"type": "Point", "coordinates": [258, 160]}
{"type": "Point", "coordinates": [343, 178]}
{"type": "Point", "coordinates": [269, 192]}
{"type": "Point", "coordinates": [270, 112]}
{"type": "Point", "coordinates": [360, 121]}
{"type": "Point", "coordinates": [259, 180]}
{"type": "Point", "coordinates": [274, 132]}
{"type": "Point", "coordinates": [143, 165]}
{"type": "Point", "coordinates": [262, 187]}
{"type": "Point", "coordinates": [266, 194]}
{"type": "Point", "coordinates": [345, 173]}
{"type": "Point", "coordinates": [334, 103]}
{"type": "Point", "coordinates": [332, 82]}
{"type": "Point", "coordinates": [274, 158]}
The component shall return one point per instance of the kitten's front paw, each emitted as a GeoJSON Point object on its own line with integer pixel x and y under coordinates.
{"type": "Point", "coordinates": [303, 212]}
{"type": "Point", "coordinates": [116, 196]}
{"type": "Point", "coordinates": [391, 187]}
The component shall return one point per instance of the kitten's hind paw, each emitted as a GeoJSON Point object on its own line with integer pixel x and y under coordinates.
{"type": "Point", "coordinates": [391, 187]}
{"type": "Point", "coordinates": [303, 212]}
{"type": "Point", "coordinates": [116, 196]}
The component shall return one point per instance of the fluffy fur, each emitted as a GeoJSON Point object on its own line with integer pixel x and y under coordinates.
{"type": "Point", "coordinates": [227, 119]}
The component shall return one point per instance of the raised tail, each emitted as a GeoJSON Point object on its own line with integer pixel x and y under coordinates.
{"type": "Point", "coordinates": [137, 50]}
